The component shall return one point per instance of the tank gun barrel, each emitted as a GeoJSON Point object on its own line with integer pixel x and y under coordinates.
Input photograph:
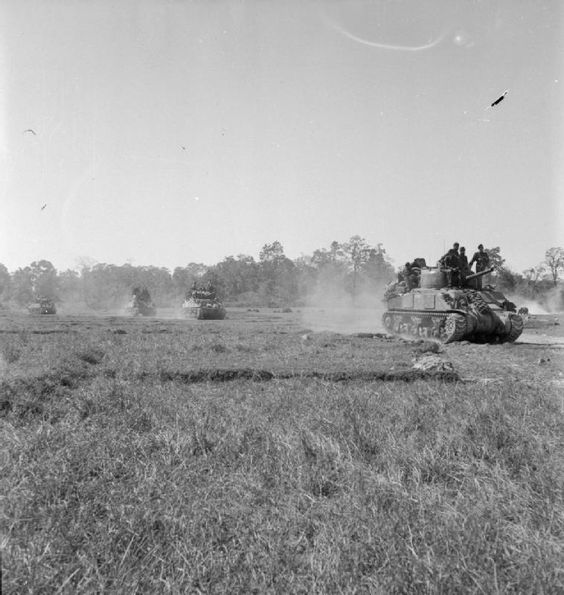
{"type": "Point", "coordinates": [480, 274]}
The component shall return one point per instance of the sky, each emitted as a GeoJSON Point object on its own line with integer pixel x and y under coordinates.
{"type": "Point", "coordinates": [165, 132]}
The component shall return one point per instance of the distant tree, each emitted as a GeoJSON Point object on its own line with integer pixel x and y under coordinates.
{"type": "Point", "coordinates": [44, 279]}
{"type": "Point", "coordinates": [357, 252]}
{"type": "Point", "coordinates": [496, 260]}
{"type": "Point", "coordinates": [277, 274]}
{"type": "Point", "coordinates": [272, 252]}
{"type": "Point", "coordinates": [70, 286]}
{"type": "Point", "coordinates": [183, 277]}
{"type": "Point", "coordinates": [508, 281]}
{"type": "Point", "coordinates": [5, 282]}
{"type": "Point", "coordinates": [333, 256]}
{"type": "Point", "coordinates": [377, 267]}
{"type": "Point", "coordinates": [102, 286]}
{"type": "Point", "coordinates": [306, 277]}
{"type": "Point", "coordinates": [554, 261]}
{"type": "Point", "coordinates": [368, 265]}
{"type": "Point", "coordinates": [22, 286]}
{"type": "Point", "coordinates": [236, 276]}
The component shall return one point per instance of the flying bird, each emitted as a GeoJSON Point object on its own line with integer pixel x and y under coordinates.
{"type": "Point", "coordinates": [183, 147]}
{"type": "Point", "coordinates": [500, 99]}
{"type": "Point", "coordinates": [30, 130]}
{"type": "Point", "coordinates": [43, 207]}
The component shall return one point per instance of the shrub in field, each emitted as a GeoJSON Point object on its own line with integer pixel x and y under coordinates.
{"type": "Point", "coordinates": [91, 355]}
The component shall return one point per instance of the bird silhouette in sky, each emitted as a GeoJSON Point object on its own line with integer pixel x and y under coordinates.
{"type": "Point", "coordinates": [31, 130]}
{"type": "Point", "coordinates": [43, 207]}
{"type": "Point", "coordinates": [183, 147]}
{"type": "Point", "coordinates": [500, 98]}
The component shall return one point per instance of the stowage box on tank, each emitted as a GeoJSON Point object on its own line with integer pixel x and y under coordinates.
{"type": "Point", "coordinates": [452, 314]}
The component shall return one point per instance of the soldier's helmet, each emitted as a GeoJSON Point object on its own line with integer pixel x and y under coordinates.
{"type": "Point", "coordinates": [480, 246]}
{"type": "Point", "coordinates": [455, 246]}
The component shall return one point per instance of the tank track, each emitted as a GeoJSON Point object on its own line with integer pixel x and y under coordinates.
{"type": "Point", "coordinates": [447, 327]}
{"type": "Point", "coordinates": [455, 328]}
{"type": "Point", "coordinates": [515, 330]}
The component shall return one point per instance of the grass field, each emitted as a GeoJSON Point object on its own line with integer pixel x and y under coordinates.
{"type": "Point", "coordinates": [259, 454]}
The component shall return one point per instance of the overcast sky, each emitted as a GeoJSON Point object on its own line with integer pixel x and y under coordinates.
{"type": "Point", "coordinates": [166, 132]}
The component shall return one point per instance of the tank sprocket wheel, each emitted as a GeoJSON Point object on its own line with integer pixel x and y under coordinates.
{"type": "Point", "coordinates": [454, 328]}
{"type": "Point", "coordinates": [515, 330]}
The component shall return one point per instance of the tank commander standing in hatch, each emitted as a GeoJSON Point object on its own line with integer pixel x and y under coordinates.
{"type": "Point", "coordinates": [454, 248]}
{"type": "Point", "coordinates": [409, 276]}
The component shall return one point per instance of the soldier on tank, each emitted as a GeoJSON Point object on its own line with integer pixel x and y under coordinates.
{"type": "Point", "coordinates": [463, 263]}
{"type": "Point", "coordinates": [449, 253]}
{"type": "Point", "coordinates": [406, 274]}
{"type": "Point", "coordinates": [451, 266]}
{"type": "Point", "coordinates": [210, 289]}
{"type": "Point", "coordinates": [481, 258]}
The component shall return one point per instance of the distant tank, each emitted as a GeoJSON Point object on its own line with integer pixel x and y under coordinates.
{"type": "Point", "coordinates": [202, 304]}
{"type": "Point", "coordinates": [434, 310]}
{"type": "Point", "coordinates": [42, 305]}
{"type": "Point", "coordinates": [141, 303]}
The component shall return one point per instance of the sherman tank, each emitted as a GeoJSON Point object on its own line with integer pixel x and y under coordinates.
{"type": "Point", "coordinates": [141, 303]}
{"type": "Point", "coordinates": [203, 305]}
{"type": "Point", "coordinates": [467, 313]}
{"type": "Point", "coordinates": [42, 305]}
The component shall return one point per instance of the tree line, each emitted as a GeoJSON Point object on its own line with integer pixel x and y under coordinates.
{"type": "Point", "coordinates": [342, 270]}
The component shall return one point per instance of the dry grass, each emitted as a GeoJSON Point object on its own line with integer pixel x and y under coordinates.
{"type": "Point", "coordinates": [120, 476]}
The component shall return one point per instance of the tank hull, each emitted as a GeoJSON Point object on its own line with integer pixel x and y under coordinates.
{"type": "Point", "coordinates": [203, 310]}
{"type": "Point", "coordinates": [42, 308]}
{"type": "Point", "coordinates": [453, 315]}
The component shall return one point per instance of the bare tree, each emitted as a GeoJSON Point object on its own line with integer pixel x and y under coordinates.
{"type": "Point", "coordinates": [554, 261]}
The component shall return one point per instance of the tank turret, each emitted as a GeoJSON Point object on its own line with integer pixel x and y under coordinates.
{"type": "Point", "coordinates": [434, 310]}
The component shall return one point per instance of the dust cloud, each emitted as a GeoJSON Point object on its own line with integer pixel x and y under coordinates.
{"type": "Point", "coordinates": [334, 310]}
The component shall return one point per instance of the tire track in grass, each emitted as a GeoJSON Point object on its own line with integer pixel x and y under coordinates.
{"type": "Point", "coordinates": [258, 375]}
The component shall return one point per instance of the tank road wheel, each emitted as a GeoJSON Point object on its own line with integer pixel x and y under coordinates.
{"type": "Point", "coordinates": [415, 326]}
{"type": "Point", "coordinates": [515, 329]}
{"type": "Point", "coordinates": [437, 326]}
{"type": "Point", "coordinates": [454, 328]}
{"type": "Point", "coordinates": [388, 322]}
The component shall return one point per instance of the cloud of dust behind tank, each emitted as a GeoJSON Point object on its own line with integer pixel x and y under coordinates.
{"type": "Point", "coordinates": [550, 302]}
{"type": "Point", "coordinates": [331, 308]}
{"type": "Point", "coordinates": [533, 306]}
{"type": "Point", "coordinates": [554, 300]}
